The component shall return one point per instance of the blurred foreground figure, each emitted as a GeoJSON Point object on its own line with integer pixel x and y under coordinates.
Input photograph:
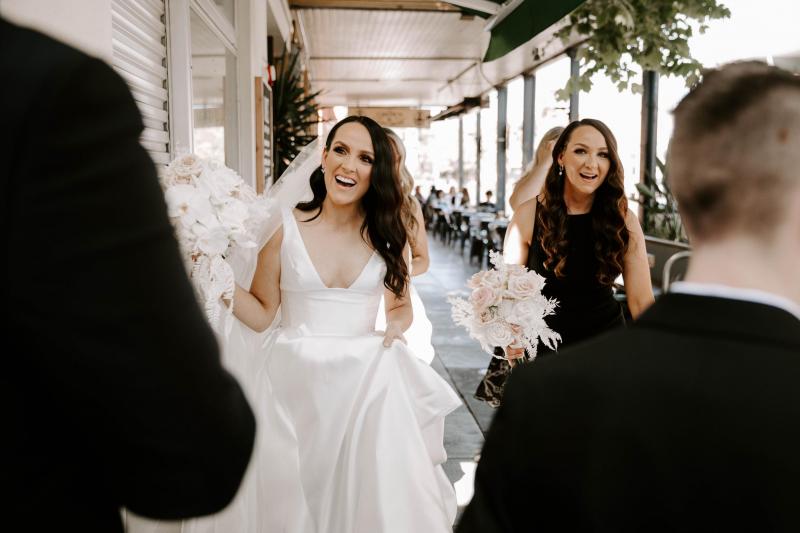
{"type": "Point", "coordinates": [690, 419]}
{"type": "Point", "coordinates": [113, 393]}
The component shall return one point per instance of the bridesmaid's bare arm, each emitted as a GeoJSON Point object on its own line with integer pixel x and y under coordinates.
{"type": "Point", "coordinates": [636, 270]}
{"type": "Point", "coordinates": [420, 258]}
{"type": "Point", "coordinates": [519, 234]}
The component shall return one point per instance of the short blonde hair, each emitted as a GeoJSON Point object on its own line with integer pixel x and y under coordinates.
{"type": "Point", "coordinates": [733, 153]}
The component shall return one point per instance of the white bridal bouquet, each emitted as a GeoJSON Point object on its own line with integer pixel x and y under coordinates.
{"type": "Point", "coordinates": [506, 308]}
{"type": "Point", "coordinates": [213, 212]}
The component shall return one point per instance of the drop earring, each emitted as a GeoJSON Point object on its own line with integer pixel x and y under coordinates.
{"type": "Point", "coordinates": [560, 170]}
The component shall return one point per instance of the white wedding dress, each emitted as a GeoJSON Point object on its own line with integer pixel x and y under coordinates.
{"type": "Point", "coordinates": [419, 334]}
{"type": "Point", "coordinates": [350, 432]}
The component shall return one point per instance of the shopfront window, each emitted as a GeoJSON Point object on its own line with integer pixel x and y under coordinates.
{"type": "Point", "coordinates": [215, 114]}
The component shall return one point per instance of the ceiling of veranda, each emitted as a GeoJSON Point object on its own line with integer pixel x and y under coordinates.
{"type": "Point", "coordinates": [404, 53]}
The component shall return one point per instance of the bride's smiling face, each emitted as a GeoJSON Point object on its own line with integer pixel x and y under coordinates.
{"type": "Point", "coordinates": [348, 164]}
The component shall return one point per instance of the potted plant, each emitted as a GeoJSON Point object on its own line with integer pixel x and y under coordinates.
{"type": "Point", "coordinates": [667, 244]}
{"type": "Point", "coordinates": [295, 113]}
{"type": "Point", "coordinates": [661, 217]}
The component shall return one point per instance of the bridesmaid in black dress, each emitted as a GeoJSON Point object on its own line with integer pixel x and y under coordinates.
{"type": "Point", "coordinates": [580, 235]}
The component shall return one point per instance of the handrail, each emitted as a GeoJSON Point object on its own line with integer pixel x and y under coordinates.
{"type": "Point", "coordinates": [665, 278]}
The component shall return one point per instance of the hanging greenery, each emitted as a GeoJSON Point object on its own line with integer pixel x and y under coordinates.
{"type": "Point", "coordinates": [653, 34]}
{"type": "Point", "coordinates": [294, 111]}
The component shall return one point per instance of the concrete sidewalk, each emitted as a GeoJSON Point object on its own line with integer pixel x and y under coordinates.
{"type": "Point", "coordinates": [459, 360]}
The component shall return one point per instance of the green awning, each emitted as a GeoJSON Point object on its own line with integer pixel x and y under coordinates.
{"type": "Point", "coordinates": [526, 22]}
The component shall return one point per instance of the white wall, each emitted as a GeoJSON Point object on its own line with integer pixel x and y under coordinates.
{"type": "Point", "coordinates": [251, 42]}
{"type": "Point", "coordinates": [84, 24]}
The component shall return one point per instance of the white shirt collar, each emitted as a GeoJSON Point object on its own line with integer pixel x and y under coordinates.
{"type": "Point", "coordinates": [736, 293]}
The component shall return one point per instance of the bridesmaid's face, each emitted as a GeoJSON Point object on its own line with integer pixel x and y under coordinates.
{"type": "Point", "coordinates": [348, 164]}
{"type": "Point", "coordinates": [585, 160]}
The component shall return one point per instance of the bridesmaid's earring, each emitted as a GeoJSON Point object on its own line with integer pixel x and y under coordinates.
{"type": "Point", "coordinates": [560, 170]}
{"type": "Point", "coordinates": [322, 169]}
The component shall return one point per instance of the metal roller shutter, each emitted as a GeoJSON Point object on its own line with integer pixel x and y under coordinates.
{"type": "Point", "coordinates": [139, 39]}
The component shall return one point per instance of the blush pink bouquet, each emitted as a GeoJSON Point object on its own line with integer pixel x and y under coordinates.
{"type": "Point", "coordinates": [506, 308]}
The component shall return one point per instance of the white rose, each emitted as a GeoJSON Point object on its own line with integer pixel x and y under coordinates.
{"type": "Point", "coordinates": [498, 334]}
{"type": "Point", "coordinates": [528, 314]}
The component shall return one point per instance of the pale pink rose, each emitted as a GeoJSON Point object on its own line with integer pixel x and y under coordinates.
{"type": "Point", "coordinates": [186, 166]}
{"type": "Point", "coordinates": [486, 278]}
{"type": "Point", "coordinates": [526, 285]}
{"type": "Point", "coordinates": [499, 334]}
{"type": "Point", "coordinates": [483, 297]}
{"type": "Point", "coordinates": [476, 280]}
{"type": "Point", "coordinates": [494, 279]}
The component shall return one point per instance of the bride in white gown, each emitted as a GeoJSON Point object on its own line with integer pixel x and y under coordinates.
{"type": "Point", "coordinates": [350, 420]}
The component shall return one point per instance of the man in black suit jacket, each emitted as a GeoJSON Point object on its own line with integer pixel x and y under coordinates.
{"type": "Point", "coordinates": [113, 393]}
{"type": "Point", "coordinates": [690, 419]}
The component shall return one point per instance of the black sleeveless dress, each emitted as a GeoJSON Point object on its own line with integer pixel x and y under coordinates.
{"type": "Point", "coordinates": [586, 308]}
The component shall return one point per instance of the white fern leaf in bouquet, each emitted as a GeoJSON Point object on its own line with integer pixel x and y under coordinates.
{"type": "Point", "coordinates": [506, 308]}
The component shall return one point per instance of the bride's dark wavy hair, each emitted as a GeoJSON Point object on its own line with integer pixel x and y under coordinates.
{"type": "Point", "coordinates": [609, 209]}
{"type": "Point", "coordinates": [382, 204]}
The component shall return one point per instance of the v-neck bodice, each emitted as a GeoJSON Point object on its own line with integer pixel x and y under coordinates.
{"type": "Point", "coordinates": [308, 304]}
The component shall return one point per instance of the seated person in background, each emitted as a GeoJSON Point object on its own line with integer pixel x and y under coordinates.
{"type": "Point", "coordinates": [418, 195]}
{"type": "Point", "coordinates": [464, 198]}
{"type": "Point", "coordinates": [429, 207]}
{"type": "Point", "coordinates": [488, 205]}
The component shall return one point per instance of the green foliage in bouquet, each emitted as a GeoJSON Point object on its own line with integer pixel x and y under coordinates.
{"type": "Point", "coordinates": [294, 112]}
{"type": "Point", "coordinates": [653, 34]}
{"type": "Point", "coordinates": [661, 216]}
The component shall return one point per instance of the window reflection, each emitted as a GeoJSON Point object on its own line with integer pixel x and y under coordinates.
{"type": "Point", "coordinates": [215, 121]}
